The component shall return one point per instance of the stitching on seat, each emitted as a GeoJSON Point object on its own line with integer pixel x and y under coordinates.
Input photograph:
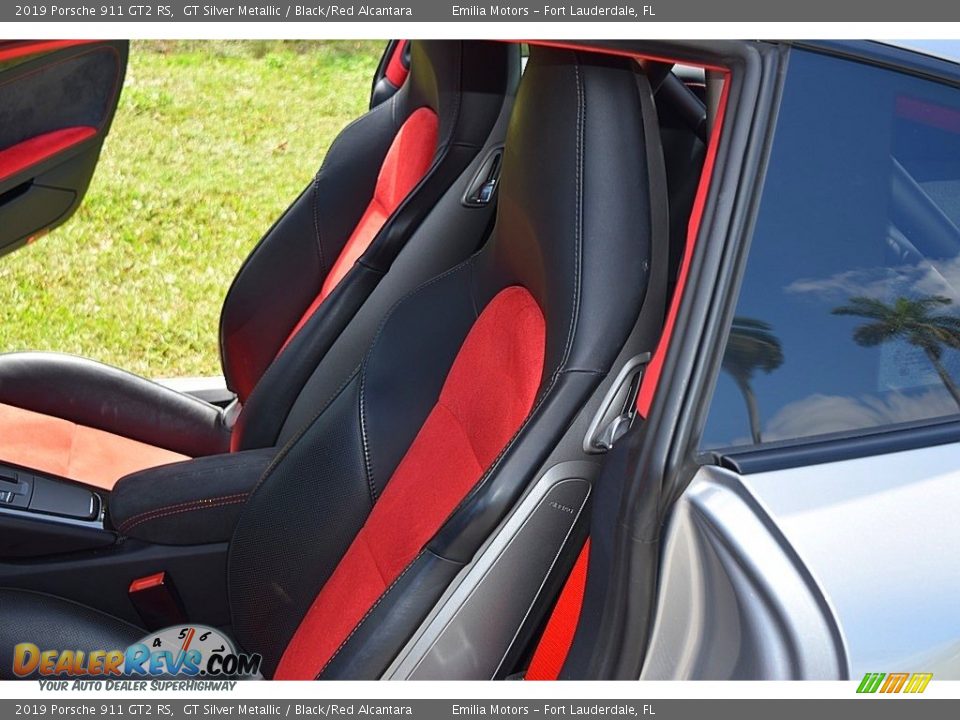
{"type": "Point", "coordinates": [186, 510]}
{"type": "Point", "coordinates": [494, 466]}
{"type": "Point", "coordinates": [463, 429]}
{"type": "Point", "coordinates": [373, 556]}
{"type": "Point", "coordinates": [316, 178]}
{"type": "Point", "coordinates": [578, 235]}
{"type": "Point", "coordinates": [316, 225]}
{"type": "Point", "coordinates": [457, 101]}
{"type": "Point", "coordinates": [285, 451]}
{"type": "Point", "coordinates": [179, 507]}
{"type": "Point", "coordinates": [368, 458]}
{"type": "Point", "coordinates": [578, 232]}
{"type": "Point", "coordinates": [367, 614]}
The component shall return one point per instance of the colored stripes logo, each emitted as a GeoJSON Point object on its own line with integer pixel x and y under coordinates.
{"type": "Point", "coordinates": [894, 682]}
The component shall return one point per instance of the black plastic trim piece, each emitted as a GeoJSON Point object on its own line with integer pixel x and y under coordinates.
{"type": "Point", "coordinates": [781, 456]}
{"type": "Point", "coordinates": [100, 578]}
{"type": "Point", "coordinates": [30, 536]}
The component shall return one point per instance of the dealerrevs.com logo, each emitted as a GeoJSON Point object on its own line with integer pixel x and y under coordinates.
{"type": "Point", "coordinates": [191, 651]}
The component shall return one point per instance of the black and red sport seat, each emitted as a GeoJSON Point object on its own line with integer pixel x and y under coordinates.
{"type": "Point", "coordinates": [364, 518]}
{"type": "Point", "coordinates": [292, 297]}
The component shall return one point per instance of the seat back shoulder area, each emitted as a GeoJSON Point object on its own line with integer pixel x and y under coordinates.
{"type": "Point", "coordinates": [313, 271]}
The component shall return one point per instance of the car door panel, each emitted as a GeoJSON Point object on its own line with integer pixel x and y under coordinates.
{"type": "Point", "coordinates": [736, 601]}
{"type": "Point", "coordinates": [879, 532]}
{"type": "Point", "coordinates": [832, 427]}
{"type": "Point", "coordinates": [757, 566]}
{"type": "Point", "coordinates": [56, 104]}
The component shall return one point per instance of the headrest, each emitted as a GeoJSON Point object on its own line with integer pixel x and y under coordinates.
{"type": "Point", "coordinates": [464, 82]}
{"type": "Point", "coordinates": [574, 217]}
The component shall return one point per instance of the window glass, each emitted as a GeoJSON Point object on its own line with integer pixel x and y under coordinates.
{"type": "Point", "coordinates": [849, 313]}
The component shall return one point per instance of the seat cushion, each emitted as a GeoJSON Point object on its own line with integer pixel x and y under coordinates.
{"type": "Point", "coordinates": [55, 623]}
{"type": "Point", "coordinates": [85, 454]}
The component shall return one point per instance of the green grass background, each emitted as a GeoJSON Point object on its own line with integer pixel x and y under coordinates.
{"type": "Point", "coordinates": [211, 141]}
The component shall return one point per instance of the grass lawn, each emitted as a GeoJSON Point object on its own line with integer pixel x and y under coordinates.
{"type": "Point", "coordinates": [212, 140]}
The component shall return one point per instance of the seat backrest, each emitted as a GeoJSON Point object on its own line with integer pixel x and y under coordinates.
{"type": "Point", "coordinates": [366, 516]}
{"type": "Point", "coordinates": [315, 267]}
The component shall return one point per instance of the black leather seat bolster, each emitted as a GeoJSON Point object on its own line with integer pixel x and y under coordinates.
{"type": "Point", "coordinates": [107, 398]}
{"type": "Point", "coordinates": [386, 629]}
{"type": "Point", "coordinates": [286, 270]}
{"type": "Point", "coordinates": [187, 503]}
{"type": "Point", "coordinates": [54, 623]}
{"type": "Point", "coordinates": [267, 407]}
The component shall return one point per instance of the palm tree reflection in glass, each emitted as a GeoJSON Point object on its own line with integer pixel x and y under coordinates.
{"type": "Point", "coordinates": [751, 347]}
{"type": "Point", "coordinates": [913, 321]}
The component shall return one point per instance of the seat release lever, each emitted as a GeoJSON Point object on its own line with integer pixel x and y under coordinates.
{"type": "Point", "coordinates": [483, 186]}
{"type": "Point", "coordinates": [618, 409]}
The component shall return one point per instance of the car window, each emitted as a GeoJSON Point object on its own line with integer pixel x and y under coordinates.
{"type": "Point", "coordinates": [849, 312]}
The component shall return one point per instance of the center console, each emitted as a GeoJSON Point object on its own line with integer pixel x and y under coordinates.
{"type": "Point", "coordinates": [151, 551]}
{"type": "Point", "coordinates": [41, 515]}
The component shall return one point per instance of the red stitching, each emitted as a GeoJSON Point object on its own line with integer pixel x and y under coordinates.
{"type": "Point", "coordinates": [180, 507]}
{"type": "Point", "coordinates": [185, 510]}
